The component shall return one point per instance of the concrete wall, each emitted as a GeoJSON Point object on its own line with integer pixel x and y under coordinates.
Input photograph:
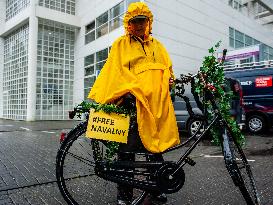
{"type": "Point", "coordinates": [50, 14]}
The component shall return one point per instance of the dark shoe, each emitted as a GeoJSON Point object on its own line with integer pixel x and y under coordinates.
{"type": "Point", "coordinates": [159, 198]}
{"type": "Point", "coordinates": [124, 194]}
{"type": "Point", "coordinates": [122, 202]}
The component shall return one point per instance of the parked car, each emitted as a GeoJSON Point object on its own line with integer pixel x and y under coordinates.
{"type": "Point", "coordinates": [257, 96]}
{"type": "Point", "coordinates": [186, 123]}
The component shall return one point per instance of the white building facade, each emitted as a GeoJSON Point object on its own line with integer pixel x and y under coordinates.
{"type": "Point", "coordinates": [52, 50]}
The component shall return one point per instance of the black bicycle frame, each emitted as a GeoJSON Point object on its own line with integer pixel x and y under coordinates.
{"type": "Point", "coordinates": [116, 171]}
{"type": "Point", "coordinates": [217, 119]}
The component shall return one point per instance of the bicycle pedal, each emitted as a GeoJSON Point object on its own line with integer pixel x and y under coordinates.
{"type": "Point", "coordinates": [190, 161]}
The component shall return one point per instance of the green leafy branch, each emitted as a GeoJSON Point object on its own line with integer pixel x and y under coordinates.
{"type": "Point", "coordinates": [213, 73]}
{"type": "Point", "coordinates": [84, 107]}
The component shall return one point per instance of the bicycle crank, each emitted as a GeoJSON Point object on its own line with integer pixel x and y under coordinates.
{"type": "Point", "coordinates": [167, 182]}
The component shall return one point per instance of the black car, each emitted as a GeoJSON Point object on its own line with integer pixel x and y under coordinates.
{"type": "Point", "coordinates": [257, 96]}
{"type": "Point", "coordinates": [186, 123]}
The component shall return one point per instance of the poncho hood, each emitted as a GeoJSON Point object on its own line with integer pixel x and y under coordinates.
{"type": "Point", "coordinates": [138, 9]}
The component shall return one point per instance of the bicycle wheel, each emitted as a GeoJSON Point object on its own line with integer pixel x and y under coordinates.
{"type": "Point", "coordinates": [240, 170]}
{"type": "Point", "coordinates": [75, 171]}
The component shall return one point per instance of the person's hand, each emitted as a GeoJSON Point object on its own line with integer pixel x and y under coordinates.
{"type": "Point", "coordinates": [171, 82]}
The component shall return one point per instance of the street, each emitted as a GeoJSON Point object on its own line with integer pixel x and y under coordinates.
{"type": "Point", "coordinates": [27, 167]}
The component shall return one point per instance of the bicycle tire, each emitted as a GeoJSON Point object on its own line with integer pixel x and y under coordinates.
{"type": "Point", "coordinates": [240, 170]}
{"type": "Point", "coordinates": [75, 171]}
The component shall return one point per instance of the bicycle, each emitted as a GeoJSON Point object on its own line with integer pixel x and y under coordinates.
{"type": "Point", "coordinates": [79, 159]}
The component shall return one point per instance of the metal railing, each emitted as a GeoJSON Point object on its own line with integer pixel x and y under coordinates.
{"type": "Point", "coordinates": [250, 65]}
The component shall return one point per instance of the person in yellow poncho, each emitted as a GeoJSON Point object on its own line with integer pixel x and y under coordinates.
{"type": "Point", "coordinates": [140, 65]}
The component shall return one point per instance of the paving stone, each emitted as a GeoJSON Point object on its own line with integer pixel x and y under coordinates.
{"type": "Point", "coordinates": [18, 198]}
{"type": "Point", "coordinates": [6, 201]}
{"type": "Point", "coordinates": [5, 198]}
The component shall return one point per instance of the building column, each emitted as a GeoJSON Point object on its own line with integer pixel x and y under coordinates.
{"type": "Point", "coordinates": [1, 75]}
{"type": "Point", "coordinates": [2, 24]}
{"type": "Point", "coordinates": [32, 62]}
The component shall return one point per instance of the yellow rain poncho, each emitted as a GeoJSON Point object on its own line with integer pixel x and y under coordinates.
{"type": "Point", "coordinates": [143, 68]}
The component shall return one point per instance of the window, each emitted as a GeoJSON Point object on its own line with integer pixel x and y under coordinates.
{"type": "Point", "coordinates": [89, 70]}
{"type": "Point", "coordinates": [92, 65]}
{"type": "Point", "coordinates": [235, 4]}
{"type": "Point", "coordinates": [102, 25]}
{"type": "Point", "coordinates": [267, 52]}
{"type": "Point", "coordinates": [55, 70]}
{"type": "Point", "coordinates": [116, 16]}
{"type": "Point", "coordinates": [89, 65]}
{"type": "Point", "coordinates": [88, 60]}
{"type": "Point", "coordinates": [90, 27]}
{"type": "Point", "coordinates": [66, 6]}
{"type": "Point", "coordinates": [238, 39]}
{"type": "Point", "coordinates": [239, 36]}
{"type": "Point", "coordinates": [231, 37]}
{"type": "Point", "coordinates": [102, 19]}
{"type": "Point", "coordinates": [247, 60]}
{"type": "Point", "coordinates": [102, 55]}
{"type": "Point", "coordinates": [15, 74]}
{"type": "Point", "coordinates": [248, 40]}
{"type": "Point", "coordinates": [239, 44]}
{"type": "Point", "coordinates": [117, 10]}
{"type": "Point", "coordinates": [90, 32]}
{"type": "Point", "coordinates": [271, 52]}
{"type": "Point", "coordinates": [255, 42]}
{"type": "Point", "coordinates": [89, 81]}
{"type": "Point", "coordinates": [13, 7]}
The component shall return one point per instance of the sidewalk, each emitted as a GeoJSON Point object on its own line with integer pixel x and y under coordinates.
{"type": "Point", "coordinates": [12, 125]}
{"type": "Point", "coordinates": [27, 168]}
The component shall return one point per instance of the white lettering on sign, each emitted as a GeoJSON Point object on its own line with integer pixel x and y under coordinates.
{"type": "Point", "coordinates": [246, 83]}
{"type": "Point", "coordinates": [265, 81]}
{"type": "Point", "coordinates": [247, 103]}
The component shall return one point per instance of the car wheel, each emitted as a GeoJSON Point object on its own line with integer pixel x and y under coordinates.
{"type": "Point", "coordinates": [193, 127]}
{"type": "Point", "coordinates": [256, 124]}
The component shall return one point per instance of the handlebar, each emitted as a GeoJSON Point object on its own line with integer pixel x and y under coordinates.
{"type": "Point", "coordinates": [78, 109]}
